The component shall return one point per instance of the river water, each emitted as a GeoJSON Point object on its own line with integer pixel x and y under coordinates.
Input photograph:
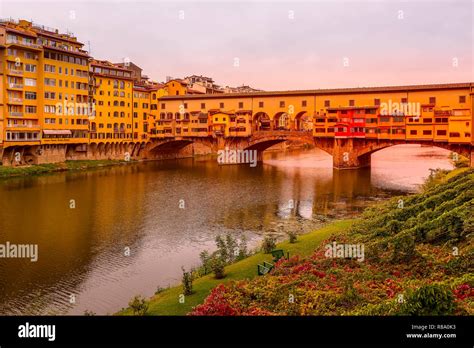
{"type": "Point", "coordinates": [165, 213]}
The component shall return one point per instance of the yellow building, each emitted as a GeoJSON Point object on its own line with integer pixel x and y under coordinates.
{"type": "Point", "coordinates": [440, 113]}
{"type": "Point", "coordinates": [175, 87]}
{"type": "Point", "coordinates": [141, 112]}
{"type": "Point", "coordinates": [44, 91]}
{"type": "Point", "coordinates": [112, 93]}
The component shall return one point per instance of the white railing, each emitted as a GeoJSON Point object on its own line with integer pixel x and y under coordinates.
{"type": "Point", "coordinates": [16, 71]}
{"type": "Point", "coordinates": [23, 43]}
{"type": "Point", "coordinates": [24, 125]}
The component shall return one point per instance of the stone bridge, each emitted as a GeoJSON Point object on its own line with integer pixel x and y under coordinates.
{"type": "Point", "coordinates": [346, 152]}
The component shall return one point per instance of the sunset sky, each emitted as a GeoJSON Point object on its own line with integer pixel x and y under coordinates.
{"type": "Point", "coordinates": [273, 45]}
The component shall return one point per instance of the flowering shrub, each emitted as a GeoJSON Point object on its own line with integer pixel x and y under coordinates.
{"type": "Point", "coordinates": [410, 267]}
{"type": "Point", "coordinates": [322, 286]}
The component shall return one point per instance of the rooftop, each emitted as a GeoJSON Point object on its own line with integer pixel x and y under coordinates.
{"type": "Point", "coordinates": [311, 92]}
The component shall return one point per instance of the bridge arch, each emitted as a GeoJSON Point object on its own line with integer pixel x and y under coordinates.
{"type": "Point", "coordinates": [261, 121]}
{"type": "Point", "coordinates": [281, 121]}
{"type": "Point", "coordinates": [303, 121]}
{"type": "Point", "coordinates": [354, 153]}
{"type": "Point", "coordinates": [266, 139]}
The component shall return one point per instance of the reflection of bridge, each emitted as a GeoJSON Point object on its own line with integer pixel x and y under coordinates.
{"type": "Point", "coordinates": [346, 152]}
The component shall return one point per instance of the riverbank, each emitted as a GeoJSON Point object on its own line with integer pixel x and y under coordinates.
{"type": "Point", "coordinates": [408, 257]}
{"type": "Point", "coordinates": [167, 301]}
{"type": "Point", "coordinates": [40, 169]}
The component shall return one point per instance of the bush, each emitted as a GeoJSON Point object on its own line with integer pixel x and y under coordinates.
{"type": "Point", "coordinates": [139, 305]}
{"type": "Point", "coordinates": [404, 249]}
{"type": "Point", "coordinates": [218, 267]}
{"type": "Point", "coordinates": [159, 289]}
{"type": "Point", "coordinates": [268, 244]}
{"type": "Point", "coordinates": [187, 281]}
{"type": "Point", "coordinates": [243, 252]}
{"type": "Point", "coordinates": [205, 263]}
{"type": "Point", "coordinates": [292, 237]}
{"type": "Point", "coordinates": [430, 299]}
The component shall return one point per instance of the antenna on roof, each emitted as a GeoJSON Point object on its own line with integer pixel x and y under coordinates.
{"type": "Point", "coordinates": [89, 47]}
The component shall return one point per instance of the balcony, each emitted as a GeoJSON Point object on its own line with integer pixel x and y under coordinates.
{"type": "Point", "coordinates": [15, 100]}
{"type": "Point", "coordinates": [31, 126]}
{"type": "Point", "coordinates": [15, 85]}
{"type": "Point", "coordinates": [16, 113]}
{"type": "Point", "coordinates": [15, 72]}
{"type": "Point", "coordinates": [23, 44]}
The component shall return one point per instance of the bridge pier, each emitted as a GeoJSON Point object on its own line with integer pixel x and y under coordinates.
{"type": "Point", "coordinates": [348, 155]}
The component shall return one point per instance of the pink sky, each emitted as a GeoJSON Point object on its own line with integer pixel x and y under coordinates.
{"type": "Point", "coordinates": [279, 45]}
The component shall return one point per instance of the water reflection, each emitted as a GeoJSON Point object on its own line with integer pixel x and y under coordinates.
{"type": "Point", "coordinates": [82, 251]}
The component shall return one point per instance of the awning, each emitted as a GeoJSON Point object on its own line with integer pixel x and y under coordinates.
{"type": "Point", "coordinates": [57, 132]}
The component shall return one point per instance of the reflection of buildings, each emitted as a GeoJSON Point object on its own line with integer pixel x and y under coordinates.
{"type": "Point", "coordinates": [102, 223]}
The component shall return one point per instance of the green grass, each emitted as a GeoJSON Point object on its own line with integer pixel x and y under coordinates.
{"type": "Point", "coordinates": [38, 169]}
{"type": "Point", "coordinates": [6, 172]}
{"type": "Point", "coordinates": [167, 302]}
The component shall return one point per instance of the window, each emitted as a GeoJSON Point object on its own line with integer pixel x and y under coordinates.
{"type": "Point", "coordinates": [327, 103]}
{"type": "Point", "coordinates": [282, 104]}
{"type": "Point", "coordinates": [440, 132]}
{"type": "Point", "coordinates": [432, 100]}
{"type": "Point", "coordinates": [426, 132]}
{"type": "Point", "coordinates": [49, 95]}
{"type": "Point", "coordinates": [203, 105]}
{"type": "Point", "coordinates": [454, 135]}
{"type": "Point", "coordinates": [260, 104]}
{"type": "Point", "coordinates": [241, 105]}
{"type": "Point", "coordinates": [376, 101]}
{"type": "Point", "coordinates": [30, 67]}
{"type": "Point", "coordinates": [303, 103]}
{"type": "Point", "coordinates": [49, 68]}
{"type": "Point", "coordinates": [462, 99]}
{"type": "Point", "coordinates": [404, 100]}
{"type": "Point", "coordinates": [351, 102]}
{"type": "Point", "coordinates": [29, 109]}
{"type": "Point", "coordinates": [30, 95]}
{"type": "Point", "coordinates": [413, 132]}
{"type": "Point", "coordinates": [30, 82]}
{"type": "Point", "coordinates": [163, 106]}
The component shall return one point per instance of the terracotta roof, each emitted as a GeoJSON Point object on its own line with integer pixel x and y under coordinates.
{"type": "Point", "coordinates": [107, 64]}
{"type": "Point", "coordinates": [312, 92]}
{"type": "Point", "coordinates": [19, 31]}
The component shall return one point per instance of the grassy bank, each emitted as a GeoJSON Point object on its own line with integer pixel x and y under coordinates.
{"type": "Point", "coordinates": [417, 259]}
{"type": "Point", "coordinates": [167, 301]}
{"type": "Point", "coordinates": [39, 169]}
